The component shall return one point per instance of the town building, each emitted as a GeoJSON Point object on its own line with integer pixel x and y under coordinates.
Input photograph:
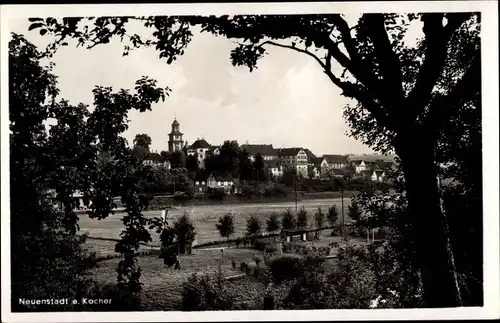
{"type": "Point", "coordinates": [175, 142]}
{"type": "Point", "coordinates": [295, 159]}
{"type": "Point", "coordinates": [269, 155]}
{"type": "Point", "coordinates": [337, 161]}
{"type": "Point", "coordinates": [221, 180]}
{"type": "Point", "coordinates": [365, 163]}
{"type": "Point", "coordinates": [199, 148]}
{"type": "Point", "coordinates": [156, 160]}
{"type": "Point", "coordinates": [311, 158]}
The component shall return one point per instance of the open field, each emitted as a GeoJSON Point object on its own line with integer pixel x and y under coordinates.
{"type": "Point", "coordinates": [162, 285]}
{"type": "Point", "coordinates": [205, 217]}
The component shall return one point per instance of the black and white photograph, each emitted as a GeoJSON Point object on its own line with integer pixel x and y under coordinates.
{"type": "Point", "coordinates": [250, 161]}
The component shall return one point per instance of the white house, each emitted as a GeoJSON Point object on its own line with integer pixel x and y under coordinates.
{"type": "Point", "coordinates": [378, 175]}
{"type": "Point", "coordinates": [294, 158]}
{"type": "Point", "coordinates": [199, 148]}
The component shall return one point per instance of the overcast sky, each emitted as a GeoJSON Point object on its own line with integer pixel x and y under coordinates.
{"type": "Point", "coordinates": [288, 101]}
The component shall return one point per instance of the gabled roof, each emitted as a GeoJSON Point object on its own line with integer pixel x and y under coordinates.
{"type": "Point", "coordinates": [336, 159]}
{"type": "Point", "coordinates": [379, 172]}
{"type": "Point", "coordinates": [222, 176]}
{"type": "Point", "coordinates": [264, 150]}
{"type": "Point", "coordinates": [288, 152]}
{"type": "Point", "coordinates": [310, 156]}
{"type": "Point", "coordinates": [200, 143]}
{"type": "Point", "coordinates": [318, 161]}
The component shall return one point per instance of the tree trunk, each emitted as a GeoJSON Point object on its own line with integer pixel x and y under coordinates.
{"type": "Point", "coordinates": [429, 225]}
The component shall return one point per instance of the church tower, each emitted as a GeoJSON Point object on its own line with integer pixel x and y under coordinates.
{"type": "Point", "coordinates": [175, 142]}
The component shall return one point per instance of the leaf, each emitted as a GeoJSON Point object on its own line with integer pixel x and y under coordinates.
{"type": "Point", "coordinates": [43, 31]}
{"type": "Point", "coordinates": [34, 26]}
{"type": "Point", "coordinates": [35, 19]}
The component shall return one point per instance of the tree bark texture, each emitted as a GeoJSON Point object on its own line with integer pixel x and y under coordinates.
{"type": "Point", "coordinates": [429, 225]}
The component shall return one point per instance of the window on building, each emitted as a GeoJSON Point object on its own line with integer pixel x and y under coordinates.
{"type": "Point", "coordinates": [219, 183]}
{"type": "Point", "coordinates": [197, 183]}
{"type": "Point", "coordinates": [203, 183]}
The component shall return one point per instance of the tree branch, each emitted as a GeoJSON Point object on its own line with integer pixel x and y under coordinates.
{"type": "Point", "coordinates": [345, 33]}
{"type": "Point", "coordinates": [349, 89]}
{"type": "Point", "coordinates": [390, 65]}
{"type": "Point", "coordinates": [437, 37]}
{"type": "Point", "coordinates": [443, 106]}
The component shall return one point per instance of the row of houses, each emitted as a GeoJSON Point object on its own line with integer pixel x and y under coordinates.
{"type": "Point", "coordinates": [301, 160]}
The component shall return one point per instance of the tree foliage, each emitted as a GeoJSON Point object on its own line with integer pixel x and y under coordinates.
{"type": "Point", "coordinates": [288, 221]}
{"type": "Point", "coordinates": [353, 210]}
{"type": "Point", "coordinates": [332, 215]}
{"type": "Point", "coordinates": [273, 223]}
{"type": "Point", "coordinates": [226, 225]}
{"type": "Point", "coordinates": [84, 151]}
{"type": "Point", "coordinates": [302, 218]}
{"type": "Point", "coordinates": [253, 225]}
{"type": "Point", "coordinates": [184, 228]}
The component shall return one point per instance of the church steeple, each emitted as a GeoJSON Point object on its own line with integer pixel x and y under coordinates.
{"type": "Point", "coordinates": [175, 142]}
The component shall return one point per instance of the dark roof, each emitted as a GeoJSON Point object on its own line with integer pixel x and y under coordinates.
{"type": "Point", "coordinates": [176, 123]}
{"type": "Point", "coordinates": [294, 230]}
{"type": "Point", "coordinates": [373, 158]}
{"type": "Point", "coordinates": [288, 151]}
{"type": "Point", "coordinates": [366, 173]}
{"type": "Point", "coordinates": [200, 143]}
{"type": "Point", "coordinates": [379, 172]}
{"type": "Point", "coordinates": [385, 164]}
{"type": "Point", "coordinates": [271, 163]}
{"type": "Point", "coordinates": [264, 150]}
{"type": "Point", "coordinates": [201, 176]}
{"type": "Point", "coordinates": [318, 161]}
{"type": "Point", "coordinates": [336, 159]}
{"type": "Point", "coordinates": [154, 157]}
{"type": "Point", "coordinates": [310, 156]}
{"type": "Point", "coordinates": [222, 176]}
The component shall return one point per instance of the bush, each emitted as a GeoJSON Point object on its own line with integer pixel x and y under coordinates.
{"type": "Point", "coordinates": [257, 260]}
{"type": "Point", "coordinates": [262, 274]}
{"type": "Point", "coordinates": [336, 231]}
{"type": "Point", "coordinates": [270, 249]}
{"type": "Point", "coordinates": [286, 267]}
{"type": "Point", "coordinates": [381, 233]}
{"type": "Point", "coordinates": [203, 293]}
